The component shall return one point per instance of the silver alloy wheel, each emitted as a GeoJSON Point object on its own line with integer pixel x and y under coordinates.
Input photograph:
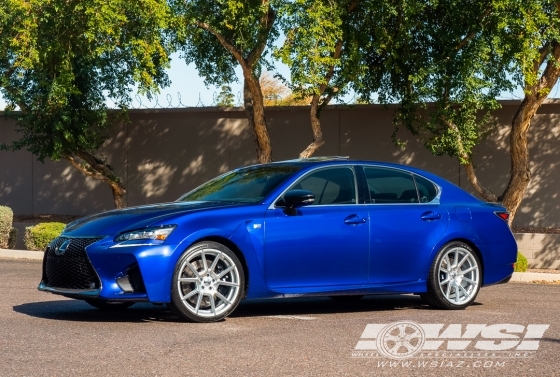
{"type": "Point", "coordinates": [458, 275]}
{"type": "Point", "coordinates": [208, 282]}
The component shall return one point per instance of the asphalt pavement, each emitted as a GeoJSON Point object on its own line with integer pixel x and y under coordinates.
{"type": "Point", "coordinates": [47, 335]}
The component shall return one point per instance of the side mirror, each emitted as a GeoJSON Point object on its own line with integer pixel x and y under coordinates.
{"type": "Point", "coordinates": [298, 198]}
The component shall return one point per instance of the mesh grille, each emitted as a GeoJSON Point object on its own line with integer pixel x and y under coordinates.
{"type": "Point", "coordinates": [70, 269]}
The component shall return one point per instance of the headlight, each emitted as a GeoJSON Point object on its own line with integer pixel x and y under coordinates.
{"type": "Point", "coordinates": [158, 234]}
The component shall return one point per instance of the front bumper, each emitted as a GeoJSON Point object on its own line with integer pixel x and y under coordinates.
{"type": "Point", "coordinates": [87, 270]}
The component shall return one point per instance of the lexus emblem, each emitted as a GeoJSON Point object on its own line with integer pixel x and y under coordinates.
{"type": "Point", "coordinates": [62, 248]}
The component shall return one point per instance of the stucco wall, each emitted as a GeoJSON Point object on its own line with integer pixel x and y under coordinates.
{"type": "Point", "coordinates": [163, 153]}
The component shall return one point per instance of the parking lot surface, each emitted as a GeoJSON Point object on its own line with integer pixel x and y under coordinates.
{"type": "Point", "coordinates": [47, 335]}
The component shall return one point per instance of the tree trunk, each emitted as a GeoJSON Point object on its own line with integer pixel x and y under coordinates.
{"type": "Point", "coordinates": [316, 128]}
{"type": "Point", "coordinates": [254, 107]}
{"type": "Point", "coordinates": [119, 195]}
{"type": "Point", "coordinates": [252, 94]}
{"type": "Point", "coordinates": [520, 171]}
{"type": "Point", "coordinates": [96, 168]}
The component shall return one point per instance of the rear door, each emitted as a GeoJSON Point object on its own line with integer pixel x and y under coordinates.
{"type": "Point", "coordinates": [406, 221]}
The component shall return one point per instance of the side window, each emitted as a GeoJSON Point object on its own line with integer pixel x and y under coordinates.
{"type": "Point", "coordinates": [330, 186]}
{"type": "Point", "coordinates": [390, 186]}
{"type": "Point", "coordinates": [426, 189]}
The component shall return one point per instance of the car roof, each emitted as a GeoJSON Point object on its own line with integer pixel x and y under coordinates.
{"type": "Point", "coordinates": [453, 192]}
{"type": "Point", "coordinates": [344, 160]}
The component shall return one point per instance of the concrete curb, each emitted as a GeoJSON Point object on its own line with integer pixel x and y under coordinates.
{"type": "Point", "coordinates": [532, 276]}
{"type": "Point", "coordinates": [21, 254]}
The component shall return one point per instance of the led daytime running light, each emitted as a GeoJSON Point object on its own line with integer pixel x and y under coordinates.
{"type": "Point", "coordinates": [158, 234]}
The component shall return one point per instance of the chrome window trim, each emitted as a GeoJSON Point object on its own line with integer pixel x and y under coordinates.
{"type": "Point", "coordinates": [435, 200]}
{"type": "Point", "coordinates": [352, 168]}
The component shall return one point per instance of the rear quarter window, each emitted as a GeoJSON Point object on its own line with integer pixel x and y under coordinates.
{"type": "Point", "coordinates": [426, 189]}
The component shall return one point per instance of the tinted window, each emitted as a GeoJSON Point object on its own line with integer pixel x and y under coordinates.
{"type": "Point", "coordinates": [426, 189]}
{"type": "Point", "coordinates": [330, 186]}
{"type": "Point", "coordinates": [247, 185]}
{"type": "Point", "coordinates": [390, 186]}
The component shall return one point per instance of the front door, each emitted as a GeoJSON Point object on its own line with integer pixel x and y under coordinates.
{"type": "Point", "coordinates": [326, 243]}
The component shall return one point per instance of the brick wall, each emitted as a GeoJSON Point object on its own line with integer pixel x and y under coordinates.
{"type": "Point", "coordinates": [541, 250]}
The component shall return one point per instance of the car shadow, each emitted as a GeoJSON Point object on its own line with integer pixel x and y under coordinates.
{"type": "Point", "coordinates": [325, 305]}
{"type": "Point", "coordinates": [80, 311]}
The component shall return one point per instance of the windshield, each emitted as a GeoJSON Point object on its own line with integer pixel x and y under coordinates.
{"type": "Point", "coordinates": [246, 185]}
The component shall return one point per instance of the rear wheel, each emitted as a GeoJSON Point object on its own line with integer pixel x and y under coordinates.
{"type": "Point", "coordinates": [455, 277]}
{"type": "Point", "coordinates": [109, 305]}
{"type": "Point", "coordinates": [208, 283]}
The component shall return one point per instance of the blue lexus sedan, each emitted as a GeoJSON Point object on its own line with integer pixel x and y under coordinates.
{"type": "Point", "coordinates": [325, 226]}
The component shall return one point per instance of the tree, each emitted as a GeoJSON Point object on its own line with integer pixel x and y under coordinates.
{"type": "Point", "coordinates": [454, 61]}
{"type": "Point", "coordinates": [275, 93]}
{"type": "Point", "coordinates": [225, 98]}
{"type": "Point", "coordinates": [336, 47]}
{"type": "Point", "coordinates": [60, 61]}
{"type": "Point", "coordinates": [321, 51]}
{"type": "Point", "coordinates": [218, 35]}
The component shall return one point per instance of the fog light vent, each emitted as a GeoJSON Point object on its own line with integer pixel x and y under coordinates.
{"type": "Point", "coordinates": [124, 284]}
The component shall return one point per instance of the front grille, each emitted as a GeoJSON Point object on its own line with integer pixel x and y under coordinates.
{"type": "Point", "coordinates": [70, 269]}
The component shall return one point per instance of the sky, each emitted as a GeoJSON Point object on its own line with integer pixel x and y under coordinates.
{"type": "Point", "coordinates": [187, 89]}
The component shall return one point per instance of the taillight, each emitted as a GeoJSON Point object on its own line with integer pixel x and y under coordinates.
{"type": "Point", "coordinates": [503, 215]}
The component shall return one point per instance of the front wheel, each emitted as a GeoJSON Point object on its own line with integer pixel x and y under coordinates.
{"type": "Point", "coordinates": [208, 283]}
{"type": "Point", "coordinates": [455, 277]}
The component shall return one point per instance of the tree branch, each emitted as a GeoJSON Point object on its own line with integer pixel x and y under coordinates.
{"type": "Point", "coordinates": [84, 169]}
{"type": "Point", "coordinates": [228, 46]}
{"type": "Point", "coordinates": [543, 53]}
{"type": "Point", "coordinates": [550, 74]}
{"type": "Point", "coordinates": [483, 191]}
{"type": "Point", "coordinates": [466, 161]}
{"type": "Point", "coordinates": [267, 20]}
{"type": "Point", "coordinates": [472, 34]}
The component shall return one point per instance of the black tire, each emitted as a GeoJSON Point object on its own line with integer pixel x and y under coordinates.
{"type": "Point", "coordinates": [452, 286]}
{"type": "Point", "coordinates": [347, 298]}
{"type": "Point", "coordinates": [208, 283]}
{"type": "Point", "coordinates": [110, 305]}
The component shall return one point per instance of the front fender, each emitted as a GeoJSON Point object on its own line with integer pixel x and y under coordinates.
{"type": "Point", "coordinates": [158, 268]}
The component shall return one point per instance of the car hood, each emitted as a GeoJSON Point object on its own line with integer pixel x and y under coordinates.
{"type": "Point", "coordinates": [119, 220]}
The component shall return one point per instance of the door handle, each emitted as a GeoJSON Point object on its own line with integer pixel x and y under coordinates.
{"type": "Point", "coordinates": [431, 216]}
{"type": "Point", "coordinates": [355, 219]}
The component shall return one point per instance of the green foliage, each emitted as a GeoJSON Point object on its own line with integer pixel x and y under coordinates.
{"type": "Point", "coordinates": [323, 39]}
{"type": "Point", "coordinates": [12, 238]}
{"type": "Point", "coordinates": [6, 219]}
{"type": "Point", "coordinates": [60, 60]}
{"type": "Point", "coordinates": [455, 55]}
{"type": "Point", "coordinates": [244, 24]}
{"type": "Point", "coordinates": [447, 61]}
{"type": "Point", "coordinates": [521, 264]}
{"type": "Point", "coordinates": [37, 237]}
{"type": "Point", "coordinates": [225, 97]}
